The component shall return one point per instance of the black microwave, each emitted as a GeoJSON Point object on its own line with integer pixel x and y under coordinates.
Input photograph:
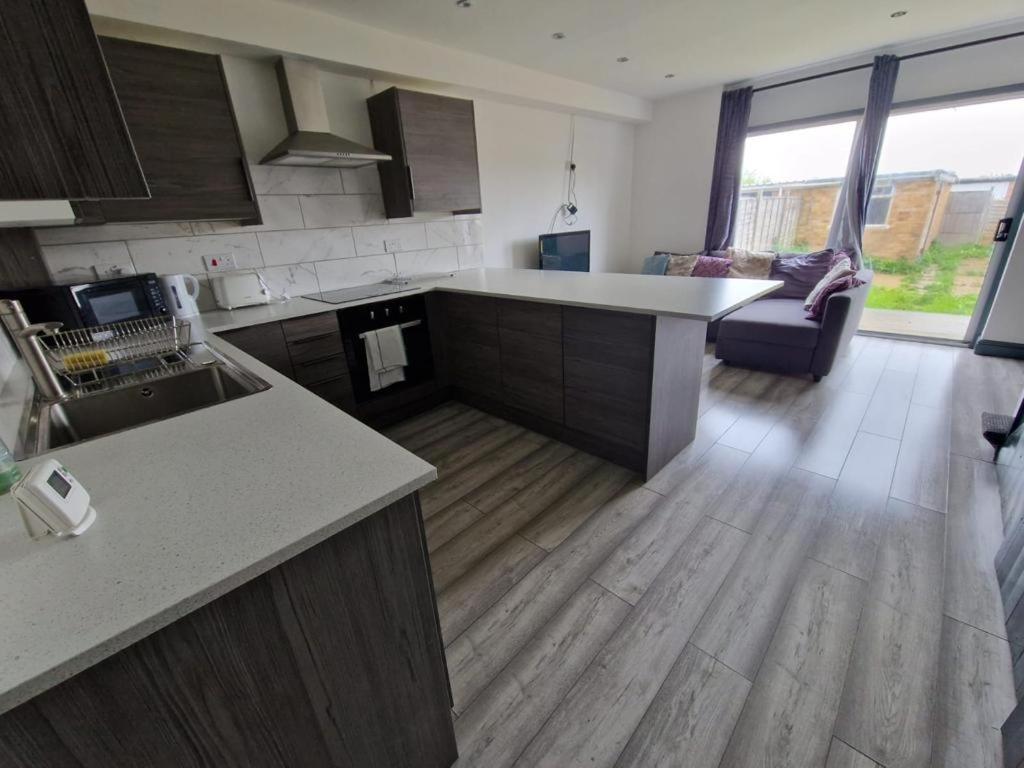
{"type": "Point", "coordinates": [88, 304]}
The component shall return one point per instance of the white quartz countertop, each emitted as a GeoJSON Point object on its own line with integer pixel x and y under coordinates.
{"type": "Point", "coordinates": [187, 509]}
{"type": "Point", "coordinates": [695, 298]}
{"type": "Point", "coordinates": [191, 507]}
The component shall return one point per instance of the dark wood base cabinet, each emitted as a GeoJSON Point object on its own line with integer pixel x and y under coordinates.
{"type": "Point", "coordinates": [333, 658]}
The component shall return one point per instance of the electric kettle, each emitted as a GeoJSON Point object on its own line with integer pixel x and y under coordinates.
{"type": "Point", "coordinates": [180, 293]}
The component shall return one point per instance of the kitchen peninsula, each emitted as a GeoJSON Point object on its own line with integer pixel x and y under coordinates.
{"type": "Point", "coordinates": [257, 584]}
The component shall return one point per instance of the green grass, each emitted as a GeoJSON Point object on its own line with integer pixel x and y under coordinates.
{"type": "Point", "coordinates": [944, 262]}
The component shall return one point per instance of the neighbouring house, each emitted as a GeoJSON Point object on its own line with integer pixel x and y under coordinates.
{"type": "Point", "coordinates": [907, 212]}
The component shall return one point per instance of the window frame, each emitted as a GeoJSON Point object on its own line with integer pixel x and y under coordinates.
{"type": "Point", "coordinates": [890, 195]}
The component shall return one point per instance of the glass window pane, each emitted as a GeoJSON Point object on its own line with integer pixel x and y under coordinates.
{"type": "Point", "coordinates": [790, 184]}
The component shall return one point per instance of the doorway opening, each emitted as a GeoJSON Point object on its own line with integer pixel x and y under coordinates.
{"type": "Point", "coordinates": [946, 177]}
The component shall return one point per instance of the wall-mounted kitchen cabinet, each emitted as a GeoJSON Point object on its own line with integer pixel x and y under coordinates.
{"type": "Point", "coordinates": [432, 140]}
{"type": "Point", "coordinates": [63, 133]}
{"type": "Point", "coordinates": [178, 109]}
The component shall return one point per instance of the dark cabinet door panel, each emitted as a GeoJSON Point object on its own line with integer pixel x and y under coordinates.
{"type": "Point", "coordinates": [531, 317]}
{"type": "Point", "coordinates": [264, 342]}
{"type": "Point", "coordinates": [177, 106]}
{"type": "Point", "coordinates": [63, 133]}
{"type": "Point", "coordinates": [626, 384]}
{"type": "Point", "coordinates": [432, 142]}
{"type": "Point", "coordinates": [316, 348]}
{"type": "Point", "coordinates": [337, 392]}
{"type": "Point", "coordinates": [476, 367]}
{"type": "Point", "coordinates": [531, 373]}
{"type": "Point", "coordinates": [614, 338]}
{"type": "Point", "coordinates": [622, 421]}
{"type": "Point", "coordinates": [440, 145]}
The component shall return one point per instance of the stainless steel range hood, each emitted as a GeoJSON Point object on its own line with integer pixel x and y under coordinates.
{"type": "Point", "coordinates": [310, 141]}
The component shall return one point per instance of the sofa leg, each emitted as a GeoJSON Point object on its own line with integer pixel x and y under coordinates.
{"type": "Point", "coordinates": [816, 378]}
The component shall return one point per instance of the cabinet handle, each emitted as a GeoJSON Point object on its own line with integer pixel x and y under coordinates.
{"type": "Point", "coordinates": [412, 185]}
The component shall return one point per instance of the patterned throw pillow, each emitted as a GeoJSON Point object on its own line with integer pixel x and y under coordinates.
{"type": "Point", "coordinates": [817, 309]}
{"type": "Point", "coordinates": [753, 265]}
{"type": "Point", "coordinates": [841, 268]}
{"type": "Point", "coordinates": [711, 266]}
{"type": "Point", "coordinates": [681, 264]}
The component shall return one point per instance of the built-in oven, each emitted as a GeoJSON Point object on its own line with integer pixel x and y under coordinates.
{"type": "Point", "coordinates": [410, 314]}
{"type": "Point", "coordinates": [87, 304]}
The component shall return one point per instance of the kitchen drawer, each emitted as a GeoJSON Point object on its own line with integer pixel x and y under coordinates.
{"type": "Point", "coordinates": [321, 370]}
{"type": "Point", "coordinates": [301, 328]}
{"type": "Point", "coordinates": [474, 310]}
{"type": "Point", "coordinates": [337, 391]}
{"type": "Point", "coordinates": [615, 338]}
{"type": "Point", "coordinates": [608, 380]}
{"type": "Point", "coordinates": [315, 348]}
{"type": "Point", "coordinates": [607, 418]}
{"type": "Point", "coordinates": [531, 317]}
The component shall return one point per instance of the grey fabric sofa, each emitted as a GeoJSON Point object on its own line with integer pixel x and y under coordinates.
{"type": "Point", "coordinates": [774, 334]}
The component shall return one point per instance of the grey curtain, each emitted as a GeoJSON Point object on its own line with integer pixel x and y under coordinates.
{"type": "Point", "coordinates": [733, 117]}
{"type": "Point", "coordinates": [852, 209]}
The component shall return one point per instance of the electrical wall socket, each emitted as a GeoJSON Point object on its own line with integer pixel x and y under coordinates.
{"type": "Point", "coordinates": [391, 246]}
{"type": "Point", "coordinates": [220, 262]}
{"type": "Point", "coordinates": [109, 271]}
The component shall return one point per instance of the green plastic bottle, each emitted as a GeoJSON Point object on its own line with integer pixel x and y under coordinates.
{"type": "Point", "coordinates": [9, 472]}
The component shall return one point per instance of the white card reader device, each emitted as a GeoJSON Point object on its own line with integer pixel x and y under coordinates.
{"type": "Point", "coordinates": [51, 500]}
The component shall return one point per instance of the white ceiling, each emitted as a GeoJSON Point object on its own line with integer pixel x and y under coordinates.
{"type": "Point", "coordinates": [702, 42]}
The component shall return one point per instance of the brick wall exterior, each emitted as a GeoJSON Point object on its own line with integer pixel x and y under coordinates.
{"type": "Point", "coordinates": [906, 235]}
{"type": "Point", "coordinates": [817, 204]}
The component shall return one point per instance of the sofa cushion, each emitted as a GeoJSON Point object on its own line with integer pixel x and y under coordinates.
{"type": "Point", "coordinates": [711, 266]}
{"type": "Point", "coordinates": [840, 268]}
{"type": "Point", "coordinates": [845, 283]}
{"type": "Point", "coordinates": [655, 265]}
{"type": "Point", "coordinates": [771, 321]}
{"type": "Point", "coordinates": [681, 264]}
{"type": "Point", "coordinates": [800, 272]}
{"type": "Point", "coordinates": [753, 265]}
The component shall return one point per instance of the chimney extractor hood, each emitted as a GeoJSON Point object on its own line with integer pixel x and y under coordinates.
{"type": "Point", "coordinates": [310, 141]}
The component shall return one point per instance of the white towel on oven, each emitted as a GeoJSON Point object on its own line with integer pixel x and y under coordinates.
{"type": "Point", "coordinates": [385, 356]}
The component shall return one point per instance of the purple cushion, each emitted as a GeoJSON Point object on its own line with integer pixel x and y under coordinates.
{"type": "Point", "coordinates": [800, 272]}
{"type": "Point", "coordinates": [711, 266]}
{"type": "Point", "coordinates": [817, 310]}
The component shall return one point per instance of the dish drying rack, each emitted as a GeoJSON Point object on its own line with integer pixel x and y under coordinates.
{"type": "Point", "coordinates": [107, 356]}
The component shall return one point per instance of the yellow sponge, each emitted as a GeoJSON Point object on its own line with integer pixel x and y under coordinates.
{"type": "Point", "coordinates": [81, 361]}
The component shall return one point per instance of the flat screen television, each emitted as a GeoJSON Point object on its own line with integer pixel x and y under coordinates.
{"type": "Point", "coordinates": [568, 251]}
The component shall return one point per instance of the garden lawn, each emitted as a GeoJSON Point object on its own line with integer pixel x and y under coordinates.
{"type": "Point", "coordinates": [927, 283]}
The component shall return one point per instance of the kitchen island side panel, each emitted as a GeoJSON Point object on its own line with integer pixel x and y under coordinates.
{"type": "Point", "coordinates": [332, 658]}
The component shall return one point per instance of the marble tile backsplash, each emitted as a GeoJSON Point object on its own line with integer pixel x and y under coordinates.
{"type": "Point", "coordinates": [323, 228]}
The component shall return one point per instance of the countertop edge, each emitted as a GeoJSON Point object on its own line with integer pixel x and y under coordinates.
{"type": "Point", "coordinates": [67, 669]}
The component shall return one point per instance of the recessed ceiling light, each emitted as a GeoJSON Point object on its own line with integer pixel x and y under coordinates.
{"type": "Point", "coordinates": [669, 76]}
{"type": "Point", "coordinates": [558, 35]}
{"type": "Point", "coordinates": [897, 14]}
{"type": "Point", "coordinates": [622, 59]}
{"type": "Point", "coordinates": [464, 3]}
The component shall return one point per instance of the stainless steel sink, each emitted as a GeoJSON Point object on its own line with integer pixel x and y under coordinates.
{"type": "Point", "coordinates": [207, 378]}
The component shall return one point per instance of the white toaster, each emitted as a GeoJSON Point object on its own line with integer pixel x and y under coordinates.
{"type": "Point", "coordinates": [239, 289]}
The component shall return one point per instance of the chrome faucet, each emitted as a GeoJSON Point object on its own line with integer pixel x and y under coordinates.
{"type": "Point", "coordinates": [26, 339]}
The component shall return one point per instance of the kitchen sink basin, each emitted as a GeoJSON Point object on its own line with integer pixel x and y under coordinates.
{"type": "Point", "coordinates": [207, 379]}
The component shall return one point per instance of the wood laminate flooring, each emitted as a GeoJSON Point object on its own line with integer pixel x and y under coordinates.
{"type": "Point", "coordinates": [809, 583]}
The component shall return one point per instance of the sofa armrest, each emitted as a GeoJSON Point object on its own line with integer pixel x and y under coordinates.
{"type": "Point", "coordinates": [843, 311]}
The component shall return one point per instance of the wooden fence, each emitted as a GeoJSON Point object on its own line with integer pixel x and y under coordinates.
{"type": "Point", "coordinates": [767, 223]}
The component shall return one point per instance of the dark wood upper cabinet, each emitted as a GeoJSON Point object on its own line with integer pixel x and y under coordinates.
{"type": "Point", "coordinates": [432, 140]}
{"type": "Point", "coordinates": [177, 106]}
{"type": "Point", "coordinates": [63, 133]}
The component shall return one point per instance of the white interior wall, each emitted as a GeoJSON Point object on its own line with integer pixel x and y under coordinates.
{"type": "Point", "coordinates": [672, 167]}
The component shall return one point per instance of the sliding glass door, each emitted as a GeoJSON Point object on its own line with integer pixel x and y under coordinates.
{"type": "Point", "coordinates": [946, 177]}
